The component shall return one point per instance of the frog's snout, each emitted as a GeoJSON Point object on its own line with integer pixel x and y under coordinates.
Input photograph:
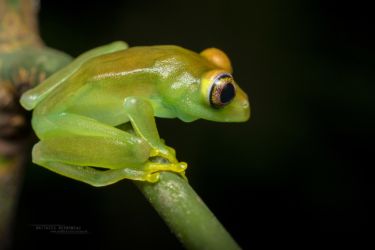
{"type": "Point", "coordinates": [245, 104]}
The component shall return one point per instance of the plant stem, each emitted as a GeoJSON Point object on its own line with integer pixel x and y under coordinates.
{"type": "Point", "coordinates": [186, 214]}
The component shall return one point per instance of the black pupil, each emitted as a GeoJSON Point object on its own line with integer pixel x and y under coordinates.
{"type": "Point", "coordinates": [227, 93]}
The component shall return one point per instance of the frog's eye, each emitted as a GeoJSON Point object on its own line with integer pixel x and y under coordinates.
{"type": "Point", "coordinates": [218, 88]}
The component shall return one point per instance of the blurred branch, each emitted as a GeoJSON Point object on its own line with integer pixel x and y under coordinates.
{"type": "Point", "coordinates": [24, 62]}
{"type": "Point", "coordinates": [17, 30]}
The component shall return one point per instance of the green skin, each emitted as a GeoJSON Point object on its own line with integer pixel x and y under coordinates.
{"type": "Point", "coordinates": [99, 111]}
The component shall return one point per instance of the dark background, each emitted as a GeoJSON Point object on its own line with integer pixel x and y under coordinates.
{"type": "Point", "coordinates": [299, 174]}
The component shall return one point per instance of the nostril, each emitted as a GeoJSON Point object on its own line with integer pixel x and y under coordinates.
{"type": "Point", "coordinates": [245, 104]}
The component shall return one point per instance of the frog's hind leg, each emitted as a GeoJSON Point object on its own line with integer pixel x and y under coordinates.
{"type": "Point", "coordinates": [91, 175]}
{"type": "Point", "coordinates": [148, 171]}
{"type": "Point", "coordinates": [83, 141]}
{"type": "Point", "coordinates": [70, 143]}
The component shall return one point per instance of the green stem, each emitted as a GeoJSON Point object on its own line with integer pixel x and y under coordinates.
{"type": "Point", "coordinates": [186, 214]}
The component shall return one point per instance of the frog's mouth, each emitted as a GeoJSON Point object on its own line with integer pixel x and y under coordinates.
{"type": "Point", "coordinates": [238, 110]}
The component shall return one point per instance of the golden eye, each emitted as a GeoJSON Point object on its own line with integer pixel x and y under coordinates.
{"type": "Point", "coordinates": [218, 88]}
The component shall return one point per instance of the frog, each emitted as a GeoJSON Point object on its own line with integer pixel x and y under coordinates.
{"type": "Point", "coordinates": [95, 118]}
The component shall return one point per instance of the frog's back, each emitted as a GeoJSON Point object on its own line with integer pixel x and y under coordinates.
{"type": "Point", "coordinates": [30, 99]}
{"type": "Point", "coordinates": [134, 59]}
{"type": "Point", "coordinates": [102, 83]}
{"type": "Point", "coordinates": [133, 71]}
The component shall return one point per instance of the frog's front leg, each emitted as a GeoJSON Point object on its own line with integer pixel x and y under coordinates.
{"type": "Point", "coordinates": [141, 116]}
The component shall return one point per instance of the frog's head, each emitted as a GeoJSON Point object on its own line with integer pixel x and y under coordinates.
{"type": "Point", "coordinates": [203, 87]}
